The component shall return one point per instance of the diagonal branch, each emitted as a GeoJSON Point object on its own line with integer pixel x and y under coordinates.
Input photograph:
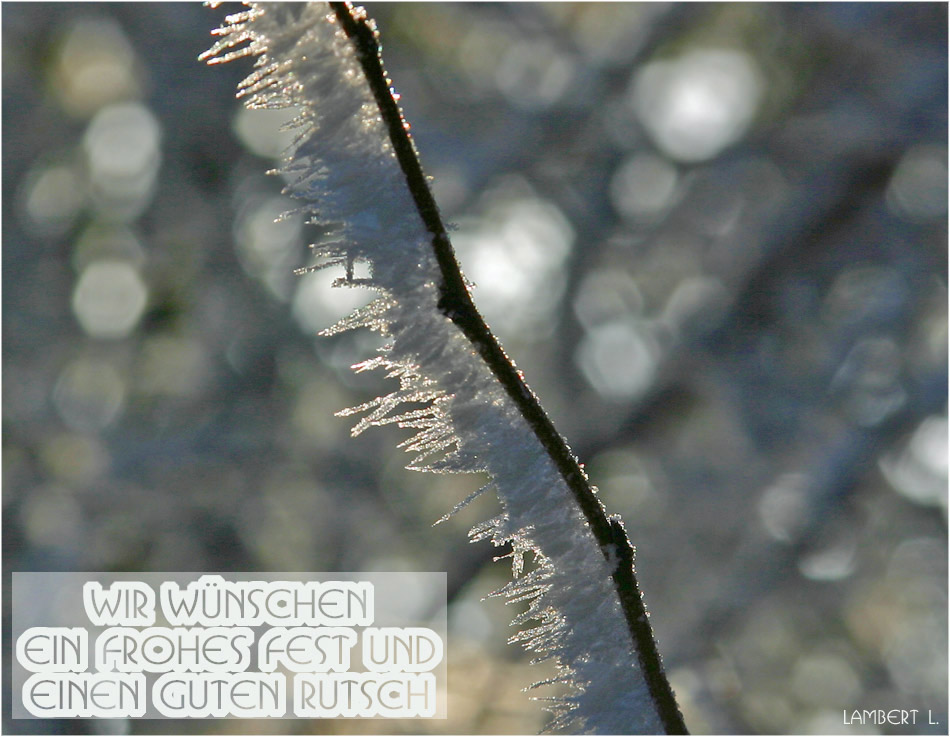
{"type": "Point", "coordinates": [456, 303]}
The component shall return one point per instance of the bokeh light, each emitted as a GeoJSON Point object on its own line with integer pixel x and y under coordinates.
{"type": "Point", "coordinates": [515, 255]}
{"type": "Point", "coordinates": [89, 394]}
{"type": "Point", "coordinates": [54, 196]}
{"type": "Point", "coordinates": [644, 187]}
{"type": "Point", "coordinates": [619, 359]}
{"type": "Point", "coordinates": [109, 299]}
{"type": "Point", "coordinates": [122, 146]}
{"type": "Point", "coordinates": [95, 66]}
{"type": "Point", "coordinates": [696, 105]}
{"type": "Point", "coordinates": [918, 189]}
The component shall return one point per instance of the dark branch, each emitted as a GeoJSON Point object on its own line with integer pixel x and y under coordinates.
{"type": "Point", "coordinates": [456, 304]}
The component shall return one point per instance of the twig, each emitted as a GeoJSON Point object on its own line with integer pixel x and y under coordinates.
{"type": "Point", "coordinates": [456, 303]}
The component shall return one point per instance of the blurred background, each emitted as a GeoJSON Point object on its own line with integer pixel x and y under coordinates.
{"type": "Point", "coordinates": [714, 236]}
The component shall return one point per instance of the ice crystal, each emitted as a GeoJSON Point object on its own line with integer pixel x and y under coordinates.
{"type": "Point", "coordinates": [345, 176]}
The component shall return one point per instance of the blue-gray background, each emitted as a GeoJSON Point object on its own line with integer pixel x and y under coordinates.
{"type": "Point", "coordinates": [713, 236]}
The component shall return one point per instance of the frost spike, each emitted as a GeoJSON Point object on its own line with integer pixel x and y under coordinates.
{"type": "Point", "coordinates": [356, 166]}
